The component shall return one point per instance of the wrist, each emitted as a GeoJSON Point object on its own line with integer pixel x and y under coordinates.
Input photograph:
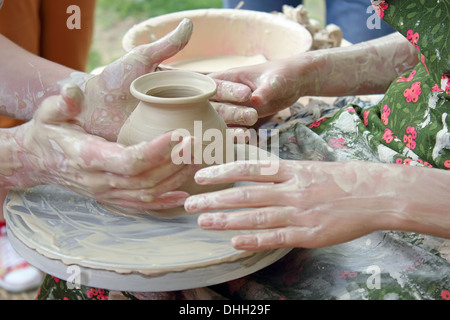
{"type": "Point", "coordinates": [311, 69]}
{"type": "Point", "coordinates": [364, 68]}
{"type": "Point", "coordinates": [420, 203]}
{"type": "Point", "coordinates": [25, 85]}
{"type": "Point", "coordinates": [326, 73]}
{"type": "Point", "coordinates": [17, 170]}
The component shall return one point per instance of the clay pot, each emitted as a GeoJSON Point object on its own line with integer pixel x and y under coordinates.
{"type": "Point", "coordinates": [174, 100]}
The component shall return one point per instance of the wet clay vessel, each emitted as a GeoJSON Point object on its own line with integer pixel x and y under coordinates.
{"type": "Point", "coordinates": [177, 101]}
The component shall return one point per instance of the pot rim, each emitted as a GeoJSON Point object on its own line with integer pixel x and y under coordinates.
{"type": "Point", "coordinates": [159, 79]}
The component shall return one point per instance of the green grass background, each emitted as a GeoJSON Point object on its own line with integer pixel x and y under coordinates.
{"type": "Point", "coordinates": [152, 8]}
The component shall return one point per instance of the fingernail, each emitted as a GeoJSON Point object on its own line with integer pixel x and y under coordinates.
{"type": "Point", "coordinates": [190, 204]}
{"type": "Point", "coordinates": [244, 242]}
{"type": "Point", "coordinates": [250, 116]}
{"type": "Point", "coordinates": [197, 203]}
{"type": "Point", "coordinates": [256, 101]}
{"type": "Point", "coordinates": [203, 175]}
{"type": "Point", "coordinates": [205, 220]}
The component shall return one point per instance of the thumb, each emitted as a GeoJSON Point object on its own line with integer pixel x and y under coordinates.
{"type": "Point", "coordinates": [261, 96]}
{"type": "Point", "coordinates": [145, 58]}
{"type": "Point", "coordinates": [63, 107]}
{"type": "Point", "coordinates": [164, 48]}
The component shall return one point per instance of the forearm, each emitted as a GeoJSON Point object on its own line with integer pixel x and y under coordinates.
{"type": "Point", "coordinates": [391, 196]}
{"type": "Point", "coordinates": [312, 204]}
{"type": "Point", "coordinates": [423, 203]}
{"type": "Point", "coordinates": [26, 80]}
{"type": "Point", "coordinates": [365, 68]}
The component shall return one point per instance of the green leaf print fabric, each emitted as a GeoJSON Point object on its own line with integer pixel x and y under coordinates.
{"type": "Point", "coordinates": [410, 124]}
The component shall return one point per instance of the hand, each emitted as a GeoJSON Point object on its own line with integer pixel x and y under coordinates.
{"type": "Point", "coordinates": [341, 71]}
{"type": "Point", "coordinates": [236, 115]}
{"type": "Point", "coordinates": [314, 204]}
{"type": "Point", "coordinates": [230, 113]}
{"type": "Point", "coordinates": [226, 100]}
{"type": "Point", "coordinates": [55, 150]}
{"type": "Point", "coordinates": [268, 87]}
{"type": "Point", "coordinates": [108, 97]}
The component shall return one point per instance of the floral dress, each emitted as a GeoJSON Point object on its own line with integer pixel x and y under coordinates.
{"type": "Point", "coordinates": [408, 126]}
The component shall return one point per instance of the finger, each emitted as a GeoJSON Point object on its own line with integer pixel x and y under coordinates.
{"type": "Point", "coordinates": [266, 98]}
{"type": "Point", "coordinates": [169, 45]}
{"type": "Point", "coordinates": [289, 237]}
{"type": "Point", "coordinates": [180, 34]}
{"type": "Point", "coordinates": [157, 152]}
{"type": "Point", "coordinates": [168, 200]}
{"type": "Point", "coordinates": [237, 115]}
{"type": "Point", "coordinates": [145, 58]}
{"type": "Point", "coordinates": [252, 196]}
{"type": "Point", "coordinates": [238, 76]}
{"type": "Point", "coordinates": [253, 219]}
{"type": "Point", "coordinates": [171, 183]}
{"type": "Point", "coordinates": [257, 100]}
{"type": "Point", "coordinates": [270, 87]}
{"type": "Point", "coordinates": [63, 107]}
{"type": "Point", "coordinates": [100, 182]}
{"type": "Point", "coordinates": [232, 92]}
{"type": "Point", "coordinates": [242, 171]}
{"type": "Point", "coordinates": [133, 160]}
{"type": "Point", "coordinates": [239, 135]}
{"type": "Point", "coordinates": [160, 196]}
{"type": "Point", "coordinates": [102, 155]}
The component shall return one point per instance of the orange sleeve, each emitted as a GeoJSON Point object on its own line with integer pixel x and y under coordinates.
{"type": "Point", "coordinates": [40, 27]}
{"type": "Point", "coordinates": [6, 122]}
{"type": "Point", "coordinates": [58, 43]}
{"type": "Point", "coordinates": [19, 22]}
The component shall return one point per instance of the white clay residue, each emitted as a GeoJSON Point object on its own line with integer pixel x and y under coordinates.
{"type": "Point", "coordinates": [217, 63]}
{"type": "Point", "coordinates": [62, 225]}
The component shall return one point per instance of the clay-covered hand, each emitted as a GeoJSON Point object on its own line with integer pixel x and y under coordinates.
{"type": "Point", "coordinates": [229, 102]}
{"type": "Point", "coordinates": [268, 87]}
{"type": "Point", "coordinates": [52, 149]}
{"type": "Point", "coordinates": [235, 114]}
{"type": "Point", "coordinates": [314, 204]}
{"type": "Point", "coordinates": [365, 68]}
{"type": "Point", "coordinates": [108, 97]}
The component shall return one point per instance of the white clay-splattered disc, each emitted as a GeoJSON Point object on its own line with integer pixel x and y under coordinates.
{"type": "Point", "coordinates": [54, 228]}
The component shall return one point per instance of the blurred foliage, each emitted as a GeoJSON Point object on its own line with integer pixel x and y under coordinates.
{"type": "Point", "coordinates": [152, 8]}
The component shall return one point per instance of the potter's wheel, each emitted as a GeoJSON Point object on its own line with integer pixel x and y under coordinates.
{"type": "Point", "coordinates": [54, 228]}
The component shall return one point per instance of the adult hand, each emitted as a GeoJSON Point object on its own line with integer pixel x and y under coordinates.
{"type": "Point", "coordinates": [53, 149]}
{"type": "Point", "coordinates": [108, 98]}
{"type": "Point", "coordinates": [353, 70]}
{"type": "Point", "coordinates": [267, 88]}
{"type": "Point", "coordinates": [236, 115]}
{"type": "Point", "coordinates": [314, 204]}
